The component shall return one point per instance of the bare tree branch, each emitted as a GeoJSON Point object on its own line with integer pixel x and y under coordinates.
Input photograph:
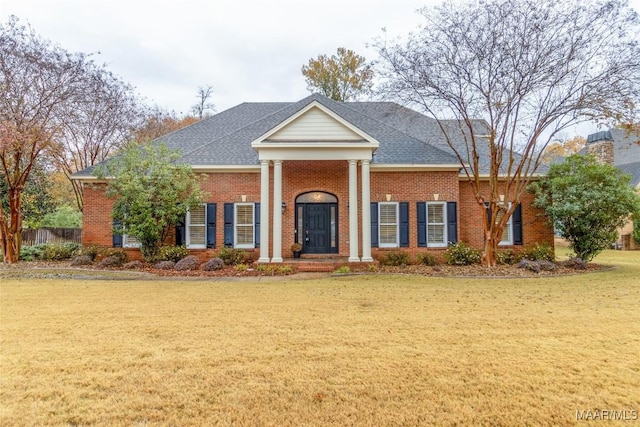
{"type": "Point", "coordinates": [529, 69]}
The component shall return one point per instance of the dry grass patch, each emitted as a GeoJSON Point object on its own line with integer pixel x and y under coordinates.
{"type": "Point", "coordinates": [356, 350]}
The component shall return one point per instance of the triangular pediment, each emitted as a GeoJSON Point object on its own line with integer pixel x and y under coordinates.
{"type": "Point", "coordinates": [315, 124]}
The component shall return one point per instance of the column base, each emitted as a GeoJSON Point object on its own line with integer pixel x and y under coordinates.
{"type": "Point", "coordinates": [274, 259]}
{"type": "Point", "coordinates": [367, 259]}
{"type": "Point", "coordinates": [263, 260]}
{"type": "Point", "coordinates": [354, 259]}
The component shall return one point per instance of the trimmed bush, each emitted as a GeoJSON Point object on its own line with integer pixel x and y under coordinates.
{"type": "Point", "coordinates": [232, 256]}
{"type": "Point", "coordinates": [49, 252]}
{"type": "Point", "coordinates": [395, 258]}
{"type": "Point", "coordinates": [172, 253]}
{"type": "Point", "coordinates": [117, 253]}
{"type": "Point", "coordinates": [111, 261]}
{"type": "Point", "coordinates": [213, 264]}
{"type": "Point", "coordinates": [529, 265]}
{"type": "Point", "coordinates": [91, 251]}
{"type": "Point", "coordinates": [31, 253]}
{"type": "Point", "coordinates": [82, 260]}
{"type": "Point", "coordinates": [547, 265]}
{"type": "Point", "coordinates": [60, 251]}
{"type": "Point", "coordinates": [285, 270]}
{"type": "Point", "coordinates": [425, 258]}
{"type": "Point", "coordinates": [507, 257]}
{"type": "Point", "coordinates": [242, 267]}
{"type": "Point", "coordinates": [190, 262]}
{"type": "Point", "coordinates": [461, 254]}
{"type": "Point", "coordinates": [164, 265]}
{"type": "Point", "coordinates": [575, 263]}
{"type": "Point", "coordinates": [133, 265]}
{"type": "Point", "coordinates": [539, 251]}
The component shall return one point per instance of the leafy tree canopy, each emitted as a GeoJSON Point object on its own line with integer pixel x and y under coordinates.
{"type": "Point", "coordinates": [341, 77]}
{"type": "Point", "coordinates": [152, 191]}
{"type": "Point", "coordinates": [37, 200]}
{"type": "Point", "coordinates": [587, 202]}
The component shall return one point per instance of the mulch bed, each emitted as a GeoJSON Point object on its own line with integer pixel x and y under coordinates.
{"type": "Point", "coordinates": [501, 271]}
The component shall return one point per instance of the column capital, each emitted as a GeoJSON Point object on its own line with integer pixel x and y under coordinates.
{"type": "Point", "coordinates": [265, 162]}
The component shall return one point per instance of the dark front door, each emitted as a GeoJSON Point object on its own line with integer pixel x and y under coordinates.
{"type": "Point", "coordinates": [317, 227]}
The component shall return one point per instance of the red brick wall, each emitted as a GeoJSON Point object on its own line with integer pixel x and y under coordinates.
{"type": "Point", "coordinates": [332, 177]}
{"type": "Point", "coordinates": [534, 226]}
{"type": "Point", "coordinates": [96, 216]}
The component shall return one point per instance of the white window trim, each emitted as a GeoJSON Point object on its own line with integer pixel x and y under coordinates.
{"type": "Point", "coordinates": [187, 235]}
{"type": "Point", "coordinates": [126, 244]}
{"type": "Point", "coordinates": [444, 225]}
{"type": "Point", "coordinates": [235, 226]}
{"type": "Point", "coordinates": [397, 224]}
{"type": "Point", "coordinates": [509, 226]}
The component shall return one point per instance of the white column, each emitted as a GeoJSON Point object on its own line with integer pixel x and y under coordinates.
{"type": "Point", "coordinates": [366, 213]}
{"type": "Point", "coordinates": [353, 211]}
{"type": "Point", "coordinates": [264, 211]}
{"type": "Point", "coordinates": [277, 211]}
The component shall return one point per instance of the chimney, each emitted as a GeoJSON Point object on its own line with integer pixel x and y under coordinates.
{"type": "Point", "coordinates": [600, 145]}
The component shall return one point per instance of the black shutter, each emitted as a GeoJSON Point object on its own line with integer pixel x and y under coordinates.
{"type": "Point", "coordinates": [404, 224]}
{"type": "Point", "coordinates": [421, 207]}
{"type": "Point", "coordinates": [452, 222]}
{"type": "Point", "coordinates": [228, 224]}
{"type": "Point", "coordinates": [180, 230]}
{"type": "Point", "coordinates": [116, 238]}
{"type": "Point", "coordinates": [374, 224]}
{"type": "Point", "coordinates": [211, 225]}
{"type": "Point", "coordinates": [256, 220]}
{"type": "Point", "coordinates": [516, 220]}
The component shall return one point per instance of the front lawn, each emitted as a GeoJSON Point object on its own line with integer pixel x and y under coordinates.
{"type": "Point", "coordinates": [353, 350]}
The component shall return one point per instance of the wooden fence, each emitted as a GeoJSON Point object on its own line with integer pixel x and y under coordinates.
{"type": "Point", "coordinates": [51, 235]}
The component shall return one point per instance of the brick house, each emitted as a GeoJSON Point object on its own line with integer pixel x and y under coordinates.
{"type": "Point", "coordinates": [343, 179]}
{"type": "Point", "coordinates": [621, 149]}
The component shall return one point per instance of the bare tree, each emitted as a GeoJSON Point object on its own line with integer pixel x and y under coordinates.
{"type": "Point", "coordinates": [200, 109]}
{"type": "Point", "coordinates": [36, 81]}
{"type": "Point", "coordinates": [529, 68]}
{"type": "Point", "coordinates": [100, 121]}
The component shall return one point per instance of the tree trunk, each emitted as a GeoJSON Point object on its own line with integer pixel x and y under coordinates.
{"type": "Point", "coordinates": [490, 251]}
{"type": "Point", "coordinates": [12, 231]}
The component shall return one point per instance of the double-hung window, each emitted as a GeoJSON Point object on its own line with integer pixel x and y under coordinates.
{"type": "Point", "coordinates": [196, 227]}
{"type": "Point", "coordinates": [507, 233]}
{"type": "Point", "coordinates": [388, 224]}
{"type": "Point", "coordinates": [244, 225]}
{"type": "Point", "coordinates": [436, 224]}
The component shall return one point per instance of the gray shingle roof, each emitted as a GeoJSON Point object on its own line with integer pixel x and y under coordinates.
{"type": "Point", "coordinates": [626, 151]}
{"type": "Point", "coordinates": [405, 136]}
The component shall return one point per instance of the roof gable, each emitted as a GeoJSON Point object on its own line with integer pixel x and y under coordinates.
{"type": "Point", "coordinates": [315, 123]}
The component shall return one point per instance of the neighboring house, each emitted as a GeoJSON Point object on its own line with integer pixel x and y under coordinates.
{"type": "Point", "coordinates": [621, 149]}
{"type": "Point", "coordinates": [351, 179]}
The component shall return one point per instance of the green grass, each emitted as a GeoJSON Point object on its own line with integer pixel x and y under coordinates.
{"type": "Point", "coordinates": [352, 350]}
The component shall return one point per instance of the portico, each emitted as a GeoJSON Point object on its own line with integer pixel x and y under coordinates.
{"type": "Point", "coordinates": [314, 134]}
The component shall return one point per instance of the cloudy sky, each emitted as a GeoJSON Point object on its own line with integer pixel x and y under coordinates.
{"type": "Point", "coordinates": [248, 50]}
